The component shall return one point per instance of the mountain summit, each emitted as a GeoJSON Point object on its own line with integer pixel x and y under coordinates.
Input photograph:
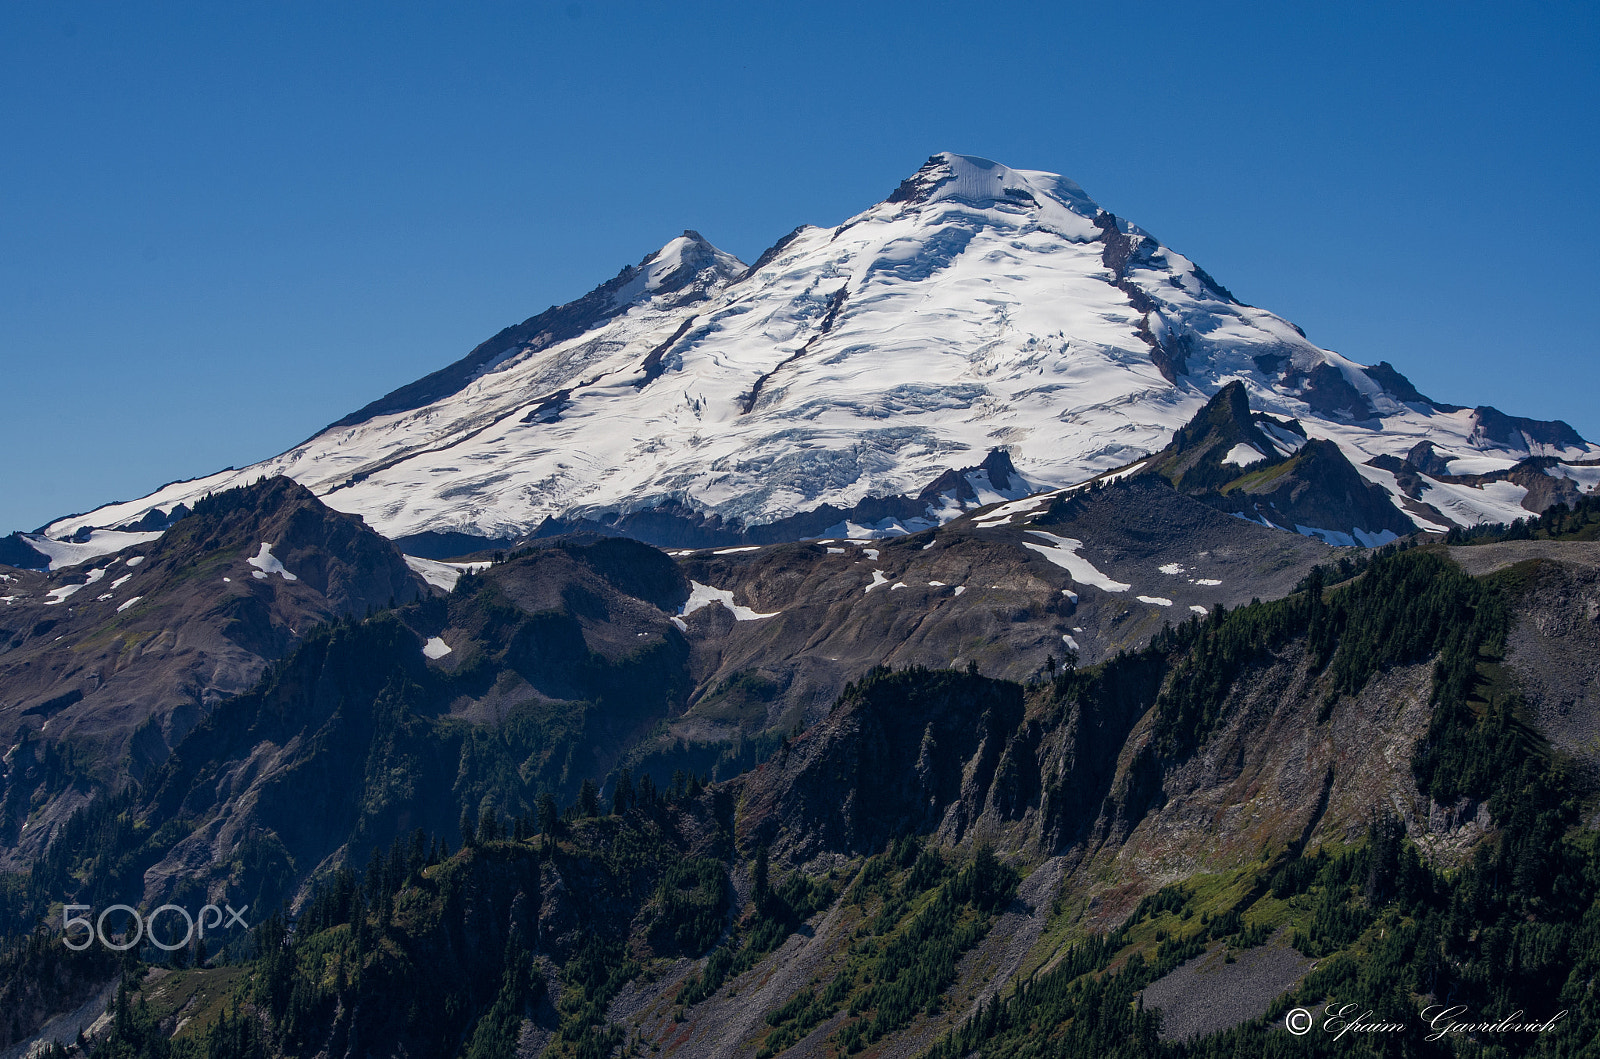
{"type": "Point", "coordinates": [977, 308]}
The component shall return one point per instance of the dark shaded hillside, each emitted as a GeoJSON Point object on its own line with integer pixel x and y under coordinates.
{"type": "Point", "coordinates": [112, 661]}
{"type": "Point", "coordinates": [953, 755]}
{"type": "Point", "coordinates": [535, 702]}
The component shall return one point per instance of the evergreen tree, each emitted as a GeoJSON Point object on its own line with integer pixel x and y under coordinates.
{"type": "Point", "coordinates": [622, 793]}
{"type": "Point", "coordinates": [549, 817]}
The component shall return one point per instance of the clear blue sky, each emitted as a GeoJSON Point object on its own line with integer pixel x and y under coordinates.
{"type": "Point", "coordinates": [224, 226]}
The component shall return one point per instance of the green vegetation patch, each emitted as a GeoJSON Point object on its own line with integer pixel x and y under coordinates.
{"type": "Point", "coordinates": [920, 915]}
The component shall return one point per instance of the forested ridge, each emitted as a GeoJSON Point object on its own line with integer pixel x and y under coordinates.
{"type": "Point", "coordinates": [1578, 521]}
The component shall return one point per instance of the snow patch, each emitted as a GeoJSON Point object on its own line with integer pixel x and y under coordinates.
{"type": "Point", "coordinates": [1586, 477]}
{"type": "Point", "coordinates": [1327, 536]}
{"type": "Point", "coordinates": [128, 604]}
{"type": "Point", "coordinates": [1063, 551]}
{"type": "Point", "coordinates": [1476, 464]}
{"type": "Point", "coordinates": [435, 648]}
{"type": "Point", "coordinates": [1126, 472]}
{"type": "Point", "coordinates": [1348, 540]}
{"type": "Point", "coordinates": [1198, 609]}
{"type": "Point", "coordinates": [960, 589]}
{"type": "Point", "coordinates": [66, 591]}
{"type": "Point", "coordinates": [1243, 455]}
{"type": "Point", "coordinates": [737, 551]}
{"type": "Point", "coordinates": [1069, 641]}
{"type": "Point", "coordinates": [1156, 600]}
{"type": "Point", "coordinates": [1209, 582]}
{"type": "Point", "coordinates": [1003, 514]}
{"type": "Point", "coordinates": [1172, 569]}
{"type": "Point", "coordinates": [136, 560]}
{"type": "Point", "coordinates": [1375, 540]}
{"type": "Point", "coordinates": [704, 595]}
{"type": "Point", "coordinates": [267, 563]}
{"type": "Point", "coordinates": [118, 583]}
{"type": "Point", "coordinates": [1287, 442]}
{"type": "Point", "coordinates": [878, 578]}
{"type": "Point", "coordinates": [443, 575]}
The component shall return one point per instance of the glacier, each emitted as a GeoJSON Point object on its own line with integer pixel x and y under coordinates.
{"type": "Point", "coordinates": [977, 308]}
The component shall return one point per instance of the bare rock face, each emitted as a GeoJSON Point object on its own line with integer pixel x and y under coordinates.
{"type": "Point", "coordinates": [1554, 649]}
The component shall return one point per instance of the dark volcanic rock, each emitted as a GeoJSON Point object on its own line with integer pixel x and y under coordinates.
{"type": "Point", "coordinates": [1535, 434]}
{"type": "Point", "coordinates": [1318, 489]}
{"type": "Point", "coordinates": [16, 551]}
{"type": "Point", "coordinates": [1328, 392]}
{"type": "Point", "coordinates": [1423, 457]}
{"type": "Point", "coordinates": [1315, 487]}
{"type": "Point", "coordinates": [1395, 384]}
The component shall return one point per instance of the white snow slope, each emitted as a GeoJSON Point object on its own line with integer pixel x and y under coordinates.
{"type": "Point", "coordinates": [975, 310]}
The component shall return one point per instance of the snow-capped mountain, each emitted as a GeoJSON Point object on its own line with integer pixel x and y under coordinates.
{"type": "Point", "coordinates": [977, 308]}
